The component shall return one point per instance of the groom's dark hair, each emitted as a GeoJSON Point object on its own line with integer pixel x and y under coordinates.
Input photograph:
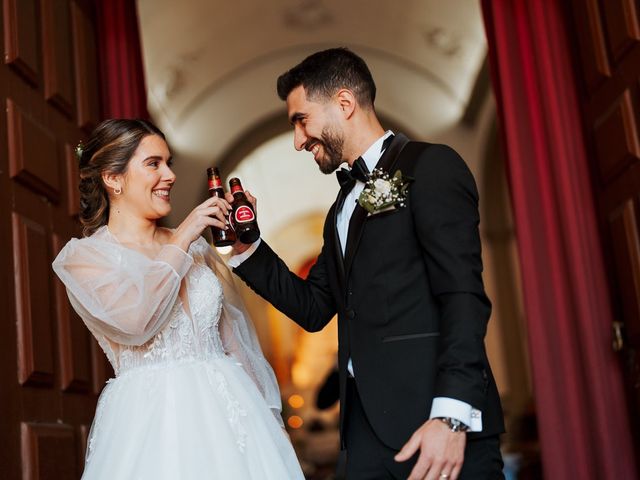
{"type": "Point", "coordinates": [323, 73]}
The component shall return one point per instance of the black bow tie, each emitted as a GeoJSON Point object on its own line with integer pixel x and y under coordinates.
{"type": "Point", "coordinates": [347, 178]}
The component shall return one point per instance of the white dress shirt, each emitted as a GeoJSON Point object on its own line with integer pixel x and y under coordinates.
{"type": "Point", "coordinates": [370, 157]}
{"type": "Point", "coordinates": [441, 406]}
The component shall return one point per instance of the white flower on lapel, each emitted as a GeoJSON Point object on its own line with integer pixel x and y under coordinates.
{"type": "Point", "coordinates": [382, 193]}
{"type": "Point", "coordinates": [383, 187]}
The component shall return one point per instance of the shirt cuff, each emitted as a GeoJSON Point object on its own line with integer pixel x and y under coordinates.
{"type": "Point", "coordinates": [450, 407]}
{"type": "Point", "coordinates": [236, 260]}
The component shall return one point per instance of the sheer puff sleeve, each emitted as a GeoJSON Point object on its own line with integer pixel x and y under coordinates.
{"type": "Point", "coordinates": [239, 336]}
{"type": "Point", "coordinates": [118, 292]}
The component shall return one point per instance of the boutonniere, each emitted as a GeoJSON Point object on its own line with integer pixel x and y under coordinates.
{"type": "Point", "coordinates": [382, 193]}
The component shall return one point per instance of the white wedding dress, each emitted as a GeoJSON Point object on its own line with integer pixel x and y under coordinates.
{"type": "Point", "coordinates": [193, 396]}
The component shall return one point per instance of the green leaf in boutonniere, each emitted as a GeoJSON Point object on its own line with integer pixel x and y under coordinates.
{"type": "Point", "coordinates": [383, 193]}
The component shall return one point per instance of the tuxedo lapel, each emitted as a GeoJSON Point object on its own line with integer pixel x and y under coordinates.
{"type": "Point", "coordinates": [335, 238]}
{"type": "Point", "coordinates": [359, 216]}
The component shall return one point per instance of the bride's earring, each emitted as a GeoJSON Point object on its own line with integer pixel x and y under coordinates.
{"type": "Point", "coordinates": [117, 190]}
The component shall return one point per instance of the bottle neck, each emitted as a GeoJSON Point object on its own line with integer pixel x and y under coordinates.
{"type": "Point", "coordinates": [216, 192]}
{"type": "Point", "coordinates": [237, 188]}
{"type": "Point", "coordinates": [214, 183]}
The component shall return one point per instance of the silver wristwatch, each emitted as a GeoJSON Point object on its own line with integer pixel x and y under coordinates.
{"type": "Point", "coordinates": [454, 424]}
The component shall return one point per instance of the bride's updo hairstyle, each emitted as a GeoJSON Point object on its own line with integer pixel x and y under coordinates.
{"type": "Point", "coordinates": [108, 150]}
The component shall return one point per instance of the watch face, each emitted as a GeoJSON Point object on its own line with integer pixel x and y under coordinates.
{"type": "Point", "coordinates": [454, 424]}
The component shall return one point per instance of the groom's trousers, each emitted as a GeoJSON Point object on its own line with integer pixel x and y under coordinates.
{"type": "Point", "coordinates": [368, 458]}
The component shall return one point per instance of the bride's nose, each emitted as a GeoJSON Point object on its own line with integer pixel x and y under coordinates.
{"type": "Point", "coordinates": [168, 175]}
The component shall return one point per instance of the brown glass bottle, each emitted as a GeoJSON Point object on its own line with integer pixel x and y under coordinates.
{"type": "Point", "coordinates": [243, 217]}
{"type": "Point", "coordinates": [221, 238]}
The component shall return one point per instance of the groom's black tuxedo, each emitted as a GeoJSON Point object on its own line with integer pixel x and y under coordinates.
{"type": "Point", "coordinates": [412, 312]}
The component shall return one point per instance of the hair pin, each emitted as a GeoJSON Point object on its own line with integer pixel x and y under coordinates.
{"type": "Point", "coordinates": [79, 150]}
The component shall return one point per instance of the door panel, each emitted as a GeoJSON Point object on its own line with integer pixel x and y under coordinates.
{"type": "Point", "coordinates": [625, 235]}
{"type": "Point", "coordinates": [608, 49]}
{"type": "Point", "coordinates": [51, 370]}
{"type": "Point", "coordinates": [621, 26]}
{"type": "Point", "coordinates": [57, 49]}
{"type": "Point", "coordinates": [21, 38]}
{"type": "Point", "coordinates": [616, 136]}
{"type": "Point", "coordinates": [32, 149]}
{"type": "Point", "coordinates": [48, 451]}
{"type": "Point", "coordinates": [85, 54]}
{"type": "Point", "coordinates": [33, 302]}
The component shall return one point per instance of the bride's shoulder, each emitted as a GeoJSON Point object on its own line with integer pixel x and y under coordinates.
{"type": "Point", "coordinates": [94, 245]}
{"type": "Point", "coordinates": [95, 238]}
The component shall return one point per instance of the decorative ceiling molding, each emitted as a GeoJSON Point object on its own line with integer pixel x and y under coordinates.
{"type": "Point", "coordinates": [175, 80]}
{"type": "Point", "coordinates": [369, 52]}
{"type": "Point", "coordinates": [443, 41]}
{"type": "Point", "coordinates": [307, 15]}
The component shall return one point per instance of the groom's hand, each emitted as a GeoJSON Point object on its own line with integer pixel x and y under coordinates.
{"type": "Point", "coordinates": [240, 247]}
{"type": "Point", "coordinates": [441, 452]}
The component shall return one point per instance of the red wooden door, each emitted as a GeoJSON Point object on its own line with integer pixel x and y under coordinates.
{"type": "Point", "coordinates": [50, 369]}
{"type": "Point", "coordinates": [608, 41]}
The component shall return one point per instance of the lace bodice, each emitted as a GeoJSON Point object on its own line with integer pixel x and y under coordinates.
{"type": "Point", "coordinates": [184, 337]}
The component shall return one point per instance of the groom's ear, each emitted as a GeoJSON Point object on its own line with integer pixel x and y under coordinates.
{"type": "Point", "coordinates": [346, 101]}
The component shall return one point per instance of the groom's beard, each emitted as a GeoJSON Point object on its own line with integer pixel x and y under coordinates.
{"type": "Point", "coordinates": [332, 146]}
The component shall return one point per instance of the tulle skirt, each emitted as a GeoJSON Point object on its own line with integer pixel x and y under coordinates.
{"type": "Point", "coordinates": [187, 420]}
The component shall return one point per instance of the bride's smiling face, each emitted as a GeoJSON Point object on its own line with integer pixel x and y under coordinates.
{"type": "Point", "coordinates": [146, 185]}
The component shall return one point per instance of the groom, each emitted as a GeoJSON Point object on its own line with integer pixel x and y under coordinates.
{"type": "Point", "coordinates": [417, 396]}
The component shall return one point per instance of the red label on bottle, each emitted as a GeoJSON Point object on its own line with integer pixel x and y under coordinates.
{"type": "Point", "coordinates": [244, 214]}
{"type": "Point", "coordinates": [214, 183]}
{"type": "Point", "coordinates": [236, 188]}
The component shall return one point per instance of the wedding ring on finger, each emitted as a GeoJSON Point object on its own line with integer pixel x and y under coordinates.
{"type": "Point", "coordinates": [444, 475]}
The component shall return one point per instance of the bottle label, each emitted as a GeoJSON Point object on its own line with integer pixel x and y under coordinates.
{"type": "Point", "coordinates": [236, 188]}
{"type": "Point", "coordinates": [214, 183]}
{"type": "Point", "coordinates": [244, 215]}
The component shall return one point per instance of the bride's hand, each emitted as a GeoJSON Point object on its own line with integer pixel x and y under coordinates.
{"type": "Point", "coordinates": [210, 213]}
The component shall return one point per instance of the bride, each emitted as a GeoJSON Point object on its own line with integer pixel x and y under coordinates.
{"type": "Point", "coordinates": [193, 397]}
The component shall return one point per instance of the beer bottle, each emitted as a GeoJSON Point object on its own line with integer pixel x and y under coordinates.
{"type": "Point", "coordinates": [221, 238]}
{"type": "Point", "coordinates": [243, 216]}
